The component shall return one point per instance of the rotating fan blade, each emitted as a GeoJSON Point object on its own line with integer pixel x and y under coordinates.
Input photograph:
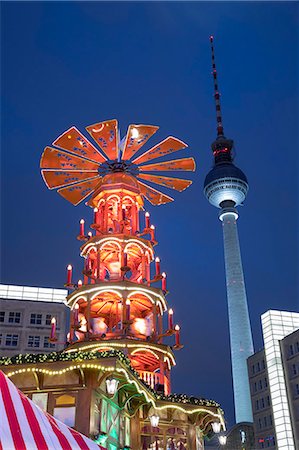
{"type": "Point", "coordinates": [187, 164]}
{"type": "Point", "coordinates": [55, 178]}
{"type": "Point", "coordinates": [78, 192]}
{"type": "Point", "coordinates": [172, 183]}
{"type": "Point", "coordinates": [153, 196]}
{"type": "Point", "coordinates": [169, 145]}
{"type": "Point", "coordinates": [106, 136]}
{"type": "Point", "coordinates": [136, 137]}
{"type": "Point", "coordinates": [57, 159]}
{"type": "Point", "coordinates": [73, 141]}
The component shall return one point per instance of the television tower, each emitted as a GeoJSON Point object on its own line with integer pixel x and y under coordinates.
{"type": "Point", "coordinates": [226, 187]}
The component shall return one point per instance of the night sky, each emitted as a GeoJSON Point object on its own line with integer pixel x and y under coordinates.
{"type": "Point", "coordinates": [67, 64]}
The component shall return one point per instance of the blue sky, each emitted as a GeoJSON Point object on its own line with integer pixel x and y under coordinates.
{"type": "Point", "coordinates": [79, 63]}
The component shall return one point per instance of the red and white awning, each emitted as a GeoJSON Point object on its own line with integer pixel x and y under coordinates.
{"type": "Point", "coordinates": [24, 426]}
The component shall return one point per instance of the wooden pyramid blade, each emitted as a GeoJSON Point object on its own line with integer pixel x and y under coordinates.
{"type": "Point", "coordinates": [187, 164]}
{"type": "Point", "coordinates": [172, 183]}
{"type": "Point", "coordinates": [169, 145]}
{"type": "Point", "coordinates": [57, 159]}
{"type": "Point", "coordinates": [73, 141]}
{"type": "Point", "coordinates": [78, 192]}
{"type": "Point", "coordinates": [154, 197]}
{"type": "Point", "coordinates": [55, 179]}
{"type": "Point", "coordinates": [105, 135]}
{"type": "Point", "coordinates": [136, 137]}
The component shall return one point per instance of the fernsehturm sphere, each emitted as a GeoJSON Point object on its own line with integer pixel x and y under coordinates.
{"type": "Point", "coordinates": [226, 188]}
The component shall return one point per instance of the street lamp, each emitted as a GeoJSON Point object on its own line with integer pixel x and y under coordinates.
{"type": "Point", "coordinates": [111, 385]}
{"type": "Point", "coordinates": [216, 427]}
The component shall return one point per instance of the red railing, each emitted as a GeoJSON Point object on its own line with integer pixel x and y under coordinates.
{"type": "Point", "coordinates": [154, 378]}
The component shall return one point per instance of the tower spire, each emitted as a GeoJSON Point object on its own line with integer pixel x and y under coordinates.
{"type": "Point", "coordinates": [221, 147]}
{"type": "Point", "coordinates": [216, 91]}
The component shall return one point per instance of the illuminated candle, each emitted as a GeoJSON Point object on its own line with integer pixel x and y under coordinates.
{"type": "Point", "coordinates": [96, 216]}
{"type": "Point", "coordinates": [89, 234]}
{"type": "Point", "coordinates": [164, 282]}
{"type": "Point", "coordinates": [69, 274]}
{"type": "Point", "coordinates": [177, 335]}
{"type": "Point", "coordinates": [152, 232]}
{"type": "Point", "coordinates": [128, 309]}
{"type": "Point", "coordinates": [76, 314]}
{"type": "Point", "coordinates": [170, 319]}
{"type": "Point", "coordinates": [147, 220]}
{"type": "Point", "coordinates": [53, 328]}
{"type": "Point", "coordinates": [82, 227]}
{"type": "Point", "coordinates": [125, 259]}
{"type": "Point", "coordinates": [157, 261]}
{"type": "Point", "coordinates": [79, 283]}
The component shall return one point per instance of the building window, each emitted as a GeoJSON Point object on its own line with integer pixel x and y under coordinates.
{"type": "Point", "coordinates": [0, 338]}
{"type": "Point", "coordinates": [265, 421]}
{"type": "Point", "coordinates": [255, 387]}
{"type": "Point", "coordinates": [36, 319]}
{"type": "Point", "coordinates": [260, 424]}
{"type": "Point", "coordinates": [14, 317]}
{"type": "Point", "coordinates": [268, 400]}
{"type": "Point", "coordinates": [257, 404]}
{"type": "Point", "coordinates": [291, 350]}
{"type": "Point", "coordinates": [265, 383]}
{"type": "Point", "coordinates": [253, 368]}
{"type": "Point", "coordinates": [260, 384]}
{"type": "Point", "coordinates": [33, 341]}
{"type": "Point", "coordinates": [297, 389]}
{"type": "Point", "coordinates": [47, 343]}
{"type": "Point", "coordinates": [11, 340]}
{"type": "Point", "coordinates": [48, 319]}
{"type": "Point", "coordinates": [262, 403]}
{"type": "Point", "coordinates": [258, 367]}
{"type": "Point", "coordinates": [263, 364]}
{"type": "Point", "coordinates": [270, 420]}
{"type": "Point", "coordinates": [2, 316]}
{"type": "Point", "coordinates": [294, 367]}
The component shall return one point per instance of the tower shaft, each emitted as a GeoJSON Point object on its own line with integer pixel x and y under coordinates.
{"type": "Point", "coordinates": [241, 343]}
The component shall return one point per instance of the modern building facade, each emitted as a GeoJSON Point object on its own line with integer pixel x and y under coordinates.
{"type": "Point", "coordinates": [226, 187]}
{"type": "Point", "coordinates": [274, 382]}
{"type": "Point", "coordinates": [25, 319]}
{"type": "Point", "coordinates": [264, 430]}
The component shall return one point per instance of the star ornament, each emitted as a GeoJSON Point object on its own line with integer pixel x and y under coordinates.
{"type": "Point", "coordinates": [76, 167]}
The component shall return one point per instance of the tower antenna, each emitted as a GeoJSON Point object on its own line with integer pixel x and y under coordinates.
{"type": "Point", "coordinates": [216, 91]}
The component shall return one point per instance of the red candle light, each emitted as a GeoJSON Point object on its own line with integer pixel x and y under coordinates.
{"type": "Point", "coordinates": [79, 283]}
{"type": "Point", "coordinates": [96, 216]}
{"type": "Point", "coordinates": [82, 222]}
{"type": "Point", "coordinates": [157, 261]}
{"type": "Point", "coordinates": [125, 259]}
{"type": "Point", "coordinates": [128, 309]}
{"type": "Point", "coordinates": [69, 274]}
{"type": "Point", "coordinates": [164, 282]}
{"type": "Point", "coordinates": [147, 220]}
{"type": "Point", "coordinates": [53, 328]}
{"type": "Point", "coordinates": [152, 232]}
{"type": "Point", "coordinates": [89, 234]}
{"type": "Point", "coordinates": [170, 319]}
{"type": "Point", "coordinates": [76, 314]}
{"type": "Point", "coordinates": [177, 335]}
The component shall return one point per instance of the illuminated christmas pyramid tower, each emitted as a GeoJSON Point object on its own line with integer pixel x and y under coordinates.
{"type": "Point", "coordinates": [121, 302]}
{"type": "Point", "coordinates": [112, 381]}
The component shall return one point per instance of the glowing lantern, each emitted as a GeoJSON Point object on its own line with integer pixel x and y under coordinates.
{"type": "Point", "coordinates": [111, 385]}
{"type": "Point", "coordinates": [154, 419]}
{"type": "Point", "coordinates": [216, 427]}
{"type": "Point", "coordinates": [222, 440]}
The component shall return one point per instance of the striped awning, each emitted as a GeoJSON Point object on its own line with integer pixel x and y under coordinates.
{"type": "Point", "coordinates": [24, 426]}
